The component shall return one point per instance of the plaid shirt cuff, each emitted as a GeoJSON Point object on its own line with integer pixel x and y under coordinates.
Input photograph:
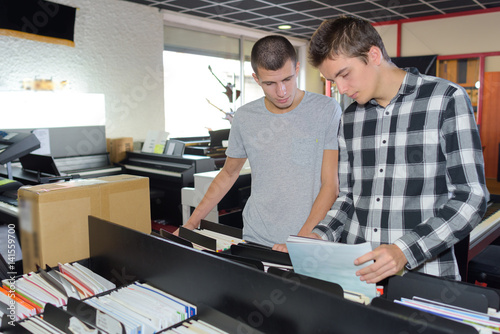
{"type": "Point", "coordinates": [412, 261]}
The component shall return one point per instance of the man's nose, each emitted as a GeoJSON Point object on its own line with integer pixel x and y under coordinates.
{"type": "Point", "coordinates": [342, 87]}
{"type": "Point", "coordinates": [281, 90]}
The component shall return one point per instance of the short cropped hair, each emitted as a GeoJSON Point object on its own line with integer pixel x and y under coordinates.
{"type": "Point", "coordinates": [272, 52]}
{"type": "Point", "coordinates": [347, 36]}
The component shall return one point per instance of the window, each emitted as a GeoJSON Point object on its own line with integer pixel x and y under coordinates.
{"type": "Point", "coordinates": [198, 67]}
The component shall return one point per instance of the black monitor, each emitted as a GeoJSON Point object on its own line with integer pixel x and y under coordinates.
{"type": "Point", "coordinates": [174, 148]}
{"type": "Point", "coordinates": [16, 144]}
{"type": "Point", "coordinates": [43, 164]}
{"type": "Point", "coordinates": [217, 136]}
{"type": "Point", "coordinates": [424, 64]}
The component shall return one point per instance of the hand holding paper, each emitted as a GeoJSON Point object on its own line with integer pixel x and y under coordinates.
{"type": "Point", "coordinates": [330, 261]}
{"type": "Point", "coordinates": [388, 261]}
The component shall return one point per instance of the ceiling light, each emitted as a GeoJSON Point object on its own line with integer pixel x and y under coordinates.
{"type": "Point", "coordinates": [285, 27]}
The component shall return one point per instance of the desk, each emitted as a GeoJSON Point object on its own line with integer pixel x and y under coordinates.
{"type": "Point", "coordinates": [191, 197]}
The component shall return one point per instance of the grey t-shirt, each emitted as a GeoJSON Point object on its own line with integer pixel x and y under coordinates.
{"type": "Point", "coordinates": [285, 152]}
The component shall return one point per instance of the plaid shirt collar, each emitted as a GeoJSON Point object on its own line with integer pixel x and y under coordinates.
{"type": "Point", "coordinates": [408, 85]}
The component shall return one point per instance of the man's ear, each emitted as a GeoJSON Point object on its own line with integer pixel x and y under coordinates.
{"type": "Point", "coordinates": [256, 78]}
{"type": "Point", "coordinates": [375, 55]}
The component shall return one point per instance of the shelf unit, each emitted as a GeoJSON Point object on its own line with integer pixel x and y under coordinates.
{"type": "Point", "coordinates": [257, 300]}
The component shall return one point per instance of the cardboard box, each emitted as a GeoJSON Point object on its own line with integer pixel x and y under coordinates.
{"type": "Point", "coordinates": [118, 148]}
{"type": "Point", "coordinates": [54, 217]}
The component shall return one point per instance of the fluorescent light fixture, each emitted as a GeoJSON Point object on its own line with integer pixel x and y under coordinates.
{"type": "Point", "coordinates": [285, 27]}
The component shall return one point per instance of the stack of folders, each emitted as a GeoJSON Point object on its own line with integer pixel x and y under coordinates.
{"type": "Point", "coordinates": [484, 323]}
{"type": "Point", "coordinates": [135, 309]}
{"type": "Point", "coordinates": [31, 292]}
{"type": "Point", "coordinates": [196, 327]}
{"type": "Point", "coordinates": [53, 323]}
{"type": "Point", "coordinates": [143, 309]}
{"type": "Point", "coordinates": [205, 239]}
{"type": "Point", "coordinates": [38, 325]}
{"type": "Point", "coordinates": [223, 242]}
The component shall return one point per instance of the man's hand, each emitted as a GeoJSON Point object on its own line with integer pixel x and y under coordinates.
{"type": "Point", "coordinates": [313, 236]}
{"type": "Point", "coordinates": [189, 225]}
{"type": "Point", "coordinates": [389, 260]}
{"type": "Point", "coordinates": [280, 248]}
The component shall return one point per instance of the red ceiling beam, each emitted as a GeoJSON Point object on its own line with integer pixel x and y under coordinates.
{"type": "Point", "coordinates": [399, 38]}
{"type": "Point", "coordinates": [439, 16]}
{"type": "Point", "coordinates": [470, 55]}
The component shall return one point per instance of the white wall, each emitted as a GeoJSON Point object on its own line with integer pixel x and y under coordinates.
{"type": "Point", "coordinates": [118, 53]}
{"type": "Point", "coordinates": [313, 82]}
{"type": "Point", "coordinates": [492, 64]}
{"type": "Point", "coordinates": [389, 34]}
{"type": "Point", "coordinates": [457, 35]}
{"type": "Point", "coordinates": [447, 36]}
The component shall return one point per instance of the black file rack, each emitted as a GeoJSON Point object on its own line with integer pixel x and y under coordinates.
{"type": "Point", "coordinates": [457, 293]}
{"type": "Point", "coordinates": [255, 300]}
{"type": "Point", "coordinates": [451, 292]}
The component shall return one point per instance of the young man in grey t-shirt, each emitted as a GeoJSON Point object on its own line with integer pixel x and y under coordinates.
{"type": "Point", "coordinates": [290, 139]}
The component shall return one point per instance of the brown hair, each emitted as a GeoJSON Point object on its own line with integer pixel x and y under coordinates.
{"type": "Point", "coordinates": [272, 52]}
{"type": "Point", "coordinates": [347, 36]}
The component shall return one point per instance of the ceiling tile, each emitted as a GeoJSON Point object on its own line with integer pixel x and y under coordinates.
{"type": "Point", "coordinates": [219, 10]}
{"type": "Point", "coordinates": [247, 4]}
{"type": "Point", "coordinates": [293, 17]}
{"type": "Point", "coordinates": [306, 15]}
{"type": "Point", "coordinates": [189, 3]}
{"type": "Point", "coordinates": [265, 21]}
{"type": "Point", "coordinates": [359, 7]}
{"type": "Point", "coordinates": [243, 16]}
{"type": "Point", "coordinates": [325, 12]}
{"type": "Point", "coordinates": [272, 11]}
{"type": "Point", "coordinates": [304, 5]}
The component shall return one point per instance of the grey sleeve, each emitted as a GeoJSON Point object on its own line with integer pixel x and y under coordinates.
{"type": "Point", "coordinates": [331, 140]}
{"type": "Point", "coordinates": [235, 147]}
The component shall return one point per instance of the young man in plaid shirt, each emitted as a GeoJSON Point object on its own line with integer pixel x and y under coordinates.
{"type": "Point", "coordinates": [411, 169]}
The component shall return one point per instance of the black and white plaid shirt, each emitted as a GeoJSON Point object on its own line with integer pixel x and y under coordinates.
{"type": "Point", "coordinates": [411, 174]}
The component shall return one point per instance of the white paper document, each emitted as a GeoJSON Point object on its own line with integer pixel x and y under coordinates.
{"type": "Point", "coordinates": [330, 261]}
{"type": "Point", "coordinates": [43, 137]}
{"type": "Point", "coordinates": [155, 142]}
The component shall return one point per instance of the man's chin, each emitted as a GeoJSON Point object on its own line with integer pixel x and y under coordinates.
{"type": "Point", "coordinates": [283, 106]}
